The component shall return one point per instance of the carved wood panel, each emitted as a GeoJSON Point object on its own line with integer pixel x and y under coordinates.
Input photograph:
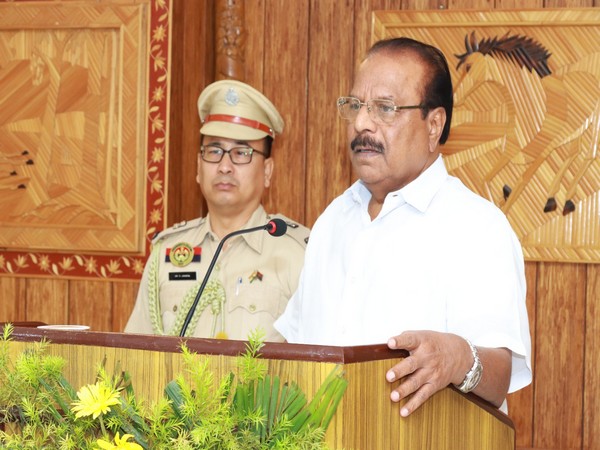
{"type": "Point", "coordinates": [526, 122]}
{"type": "Point", "coordinates": [83, 127]}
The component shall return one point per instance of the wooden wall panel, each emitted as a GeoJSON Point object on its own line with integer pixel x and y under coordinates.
{"type": "Point", "coordinates": [192, 65]}
{"type": "Point", "coordinates": [122, 301]}
{"type": "Point", "coordinates": [330, 67]}
{"type": "Point", "coordinates": [559, 359]}
{"type": "Point", "coordinates": [284, 79]}
{"type": "Point", "coordinates": [256, 34]}
{"type": "Point", "coordinates": [12, 291]}
{"type": "Point", "coordinates": [591, 377]}
{"type": "Point", "coordinates": [46, 300]}
{"type": "Point", "coordinates": [89, 304]}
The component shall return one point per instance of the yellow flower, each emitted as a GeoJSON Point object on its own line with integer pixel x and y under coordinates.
{"type": "Point", "coordinates": [95, 399]}
{"type": "Point", "coordinates": [120, 443]}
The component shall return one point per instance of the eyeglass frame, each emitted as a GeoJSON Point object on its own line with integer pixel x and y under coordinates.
{"type": "Point", "coordinates": [368, 104]}
{"type": "Point", "coordinates": [252, 151]}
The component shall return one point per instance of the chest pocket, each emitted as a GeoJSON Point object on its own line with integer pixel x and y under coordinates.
{"type": "Point", "coordinates": [258, 298]}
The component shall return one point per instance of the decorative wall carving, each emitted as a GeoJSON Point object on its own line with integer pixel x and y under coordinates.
{"type": "Point", "coordinates": [526, 123]}
{"type": "Point", "coordinates": [83, 108]}
{"type": "Point", "coordinates": [230, 40]}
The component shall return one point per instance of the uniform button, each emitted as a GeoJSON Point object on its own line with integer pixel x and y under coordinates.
{"type": "Point", "coordinates": [252, 308]}
{"type": "Point", "coordinates": [175, 308]}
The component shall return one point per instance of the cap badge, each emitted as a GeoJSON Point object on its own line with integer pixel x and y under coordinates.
{"type": "Point", "coordinates": [232, 98]}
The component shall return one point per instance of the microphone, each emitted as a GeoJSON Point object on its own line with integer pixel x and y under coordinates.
{"type": "Point", "coordinates": [275, 227]}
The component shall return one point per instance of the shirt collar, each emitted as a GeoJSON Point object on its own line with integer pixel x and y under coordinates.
{"type": "Point", "coordinates": [418, 193]}
{"type": "Point", "coordinates": [253, 239]}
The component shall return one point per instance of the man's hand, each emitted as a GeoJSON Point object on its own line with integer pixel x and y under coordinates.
{"type": "Point", "coordinates": [438, 359]}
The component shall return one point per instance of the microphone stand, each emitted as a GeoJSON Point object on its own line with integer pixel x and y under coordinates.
{"type": "Point", "coordinates": [190, 313]}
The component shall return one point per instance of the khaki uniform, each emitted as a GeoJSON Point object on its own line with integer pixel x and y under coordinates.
{"type": "Point", "coordinates": [250, 285]}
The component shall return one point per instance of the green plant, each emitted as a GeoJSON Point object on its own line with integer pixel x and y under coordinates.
{"type": "Point", "coordinates": [255, 410]}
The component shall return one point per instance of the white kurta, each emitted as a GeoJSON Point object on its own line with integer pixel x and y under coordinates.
{"type": "Point", "coordinates": [437, 257]}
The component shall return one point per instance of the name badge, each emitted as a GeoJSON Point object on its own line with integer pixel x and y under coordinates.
{"type": "Point", "coordinates": [182, 276]}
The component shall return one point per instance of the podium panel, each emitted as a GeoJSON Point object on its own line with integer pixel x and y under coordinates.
{"type": "Point", "coordinates": [366, 419]}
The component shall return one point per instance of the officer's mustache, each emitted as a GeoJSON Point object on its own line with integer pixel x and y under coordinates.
{"type": "Point", "coordinates": [225, 180]}
{"type": "Point", "coordinates": [366, 144]}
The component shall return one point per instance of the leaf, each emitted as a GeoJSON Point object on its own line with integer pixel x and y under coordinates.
{"type": "Point", "coordinates": [273, 406]}
{"type": "Point", "coordinates": [173, 393]}
{"type": "Point", "coordinates": [329, 393]}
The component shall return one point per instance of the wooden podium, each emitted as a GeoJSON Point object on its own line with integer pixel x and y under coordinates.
{"type": "Point", "coordinates": [365, 420]}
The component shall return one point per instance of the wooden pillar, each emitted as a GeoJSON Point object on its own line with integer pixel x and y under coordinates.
{"type": "Point", "coordinates": [230, 40]}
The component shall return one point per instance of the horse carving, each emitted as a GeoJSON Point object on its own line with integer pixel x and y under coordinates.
{"type": "Point", "coordinates": [525, 122]}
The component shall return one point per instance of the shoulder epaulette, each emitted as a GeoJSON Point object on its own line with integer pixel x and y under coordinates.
{"type": "Point", "coordinates": [178, 228]}
{"type": "Point", "coordinates": [295, 230]}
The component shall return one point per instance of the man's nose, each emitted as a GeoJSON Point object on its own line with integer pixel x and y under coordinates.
{"type": "Point", "coordinates": [363, 120]}
{"type": "Point", "coordinates": [226, 165]}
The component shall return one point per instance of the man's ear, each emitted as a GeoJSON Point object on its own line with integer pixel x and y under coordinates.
{"type": "Point", "coordinates": [436, 119]}
{"type": "Point", "coordinates": [269, 166]}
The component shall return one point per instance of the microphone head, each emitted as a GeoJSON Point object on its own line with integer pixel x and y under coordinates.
{"type": "Point", "coordinates": [276, 227]}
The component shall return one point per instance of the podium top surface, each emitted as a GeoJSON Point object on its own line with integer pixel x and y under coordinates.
{"type": "Point", "coordinates": [271, 350]}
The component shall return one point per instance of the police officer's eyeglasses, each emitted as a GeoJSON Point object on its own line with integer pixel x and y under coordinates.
{"type": "Point", "coordinates": [238, 155]}
{"type": "Point", "coordinates": [380, 110]}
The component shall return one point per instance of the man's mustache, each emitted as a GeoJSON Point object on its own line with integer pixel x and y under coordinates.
{"type": "Point", "coordinates": [225, 180]}
{"type": "Point", "coordinates": [364, 143]}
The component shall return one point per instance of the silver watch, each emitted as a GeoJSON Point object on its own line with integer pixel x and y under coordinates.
{"type": "Point", "coordinates": [473, 376]}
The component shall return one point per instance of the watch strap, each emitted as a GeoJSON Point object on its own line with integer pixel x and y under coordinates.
{"type": "Point", "coordinates": [473, 376]}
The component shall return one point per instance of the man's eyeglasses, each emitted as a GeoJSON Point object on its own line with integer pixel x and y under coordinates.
{"type": "Point", "coordinates": [238, 155]}
{"type": "Point", "coordinates": [380, 110]}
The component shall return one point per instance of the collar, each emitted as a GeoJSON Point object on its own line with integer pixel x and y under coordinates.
{"type": "Point", "coordinates": [253, 239]}
{"type": "Point", "coordinates": [418, 193]}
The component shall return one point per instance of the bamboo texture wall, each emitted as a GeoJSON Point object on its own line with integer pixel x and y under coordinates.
{"type": "Point", "coordinates": [302, 53]}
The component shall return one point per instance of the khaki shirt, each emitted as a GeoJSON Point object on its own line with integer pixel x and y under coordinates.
{"type": "Point", "coordinates": [254, 277]}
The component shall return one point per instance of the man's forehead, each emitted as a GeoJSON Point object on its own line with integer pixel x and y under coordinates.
{"type": "Point", "coordinates": [388, 76]}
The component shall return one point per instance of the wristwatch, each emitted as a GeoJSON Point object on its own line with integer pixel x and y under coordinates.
{"type": "Point", "coordinates": [473, 376]}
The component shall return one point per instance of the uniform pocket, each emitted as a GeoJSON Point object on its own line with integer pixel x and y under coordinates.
{"type": "Point", "coordinates": [258, 298]}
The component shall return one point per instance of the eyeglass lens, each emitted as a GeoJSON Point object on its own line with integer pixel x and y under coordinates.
{"type": "Point", "coordinates": [380, 110]}
{"type": "Point", "coordinates": [238, 155]}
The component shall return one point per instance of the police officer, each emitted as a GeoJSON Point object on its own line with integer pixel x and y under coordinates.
{"type": "Point", "coordinates": [255, 273]}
